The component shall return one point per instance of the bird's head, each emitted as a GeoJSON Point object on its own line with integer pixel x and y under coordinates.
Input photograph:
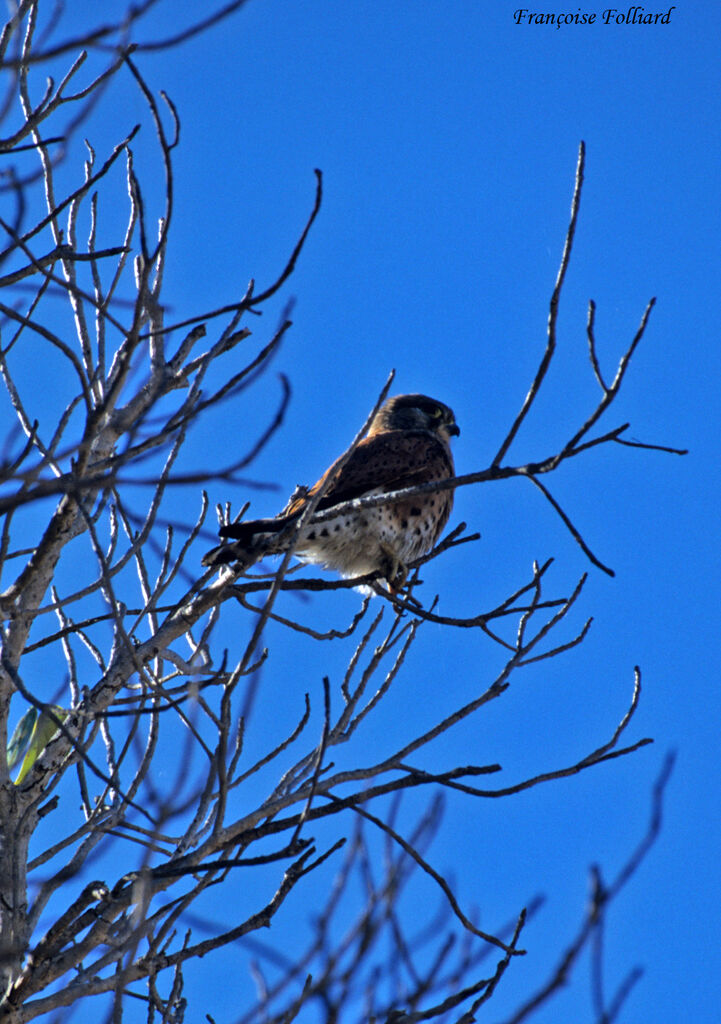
{"type": "Point", "coordinates": [415, 412]}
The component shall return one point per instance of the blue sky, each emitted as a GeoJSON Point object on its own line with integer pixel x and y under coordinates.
{"type": "Point", "coordinates": [448, 136]}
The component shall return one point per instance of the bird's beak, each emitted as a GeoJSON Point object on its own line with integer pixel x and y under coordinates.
{"type": "Point", "coordinates": [453, 429]}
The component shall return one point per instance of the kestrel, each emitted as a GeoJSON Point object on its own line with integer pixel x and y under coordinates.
{"type": "Point", "coordinates": [408, 443]}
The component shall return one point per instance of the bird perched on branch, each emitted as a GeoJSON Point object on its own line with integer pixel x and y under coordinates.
{"type": "Point", "coordinates": [408, 443]}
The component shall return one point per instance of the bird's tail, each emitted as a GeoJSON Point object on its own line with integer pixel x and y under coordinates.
{"type": "Point", "coordinates": [249, 542]}
{"type": "Point", "coordinates": [226, 554]}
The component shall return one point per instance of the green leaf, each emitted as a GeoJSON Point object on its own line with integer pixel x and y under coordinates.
{"type": "Point", "coordinates": [44, 731]}
{"type": "Point", "coordinates": [21, 737]}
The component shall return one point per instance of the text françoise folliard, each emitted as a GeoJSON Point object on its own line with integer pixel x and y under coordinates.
{"type": "Point", "coordinates": [611, 16]}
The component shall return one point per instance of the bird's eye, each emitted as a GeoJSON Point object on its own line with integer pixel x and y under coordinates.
{"type": "Point", "coordinates": [436, 412]}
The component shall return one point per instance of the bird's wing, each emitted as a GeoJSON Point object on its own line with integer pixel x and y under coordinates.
{"type": "Point", "coordinates": [388, 461]}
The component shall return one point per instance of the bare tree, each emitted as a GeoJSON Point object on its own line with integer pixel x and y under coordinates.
{"type": "Point", "coordinates": [132, 646]}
